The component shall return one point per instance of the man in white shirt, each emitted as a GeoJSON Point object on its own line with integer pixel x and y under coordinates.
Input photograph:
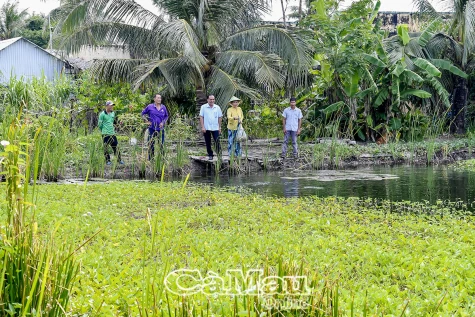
{"type": "Point", "coordinates": [210, 120]}
{"type": "Point", "coordinates": [292, 122]}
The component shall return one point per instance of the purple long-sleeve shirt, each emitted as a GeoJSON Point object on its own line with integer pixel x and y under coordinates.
{"type": "Point", "coordinates": [155, 116]}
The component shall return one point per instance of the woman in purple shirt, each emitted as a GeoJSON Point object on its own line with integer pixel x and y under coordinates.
{"type": "Point", "coordinates": [156, 115]}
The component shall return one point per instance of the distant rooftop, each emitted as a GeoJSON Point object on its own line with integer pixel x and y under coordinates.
{"type": "Point", "coordinates": [6, 43]}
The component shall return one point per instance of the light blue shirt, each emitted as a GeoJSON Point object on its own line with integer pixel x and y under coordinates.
{"type": "Point", "coordinates": [210, 116]}
{"type": "Point", "coordinates": [292, 118]}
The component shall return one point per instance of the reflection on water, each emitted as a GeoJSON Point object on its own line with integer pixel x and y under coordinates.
{"type": "Point", "coordinates": [399, 183]}
{"type": "Point", "coordinates": [290, 187]}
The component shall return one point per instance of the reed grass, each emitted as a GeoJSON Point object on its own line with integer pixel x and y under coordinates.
{"type": "Point", "coordinates": [36, 274]}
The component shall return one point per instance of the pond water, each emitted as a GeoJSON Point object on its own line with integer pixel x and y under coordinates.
{"type": "Point", "coordinates": [398, 183]}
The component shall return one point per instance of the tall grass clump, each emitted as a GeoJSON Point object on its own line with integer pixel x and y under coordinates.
{"type": "Point", "coordinates": [94, 150]}
{"type": "Point", "coordinates": [433, 131]}
{"type": "Point", "coordinates": [52, 145]}
{"type": "Point", "coordinates": [180, 132]}
{"type": "Point", "coordinates": [36, 275]}
{"type": "Point", "coordinates": [161, 156]}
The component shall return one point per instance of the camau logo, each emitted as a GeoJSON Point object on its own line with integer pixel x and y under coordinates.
{"type": "Point", "coordinates": [235, 282]}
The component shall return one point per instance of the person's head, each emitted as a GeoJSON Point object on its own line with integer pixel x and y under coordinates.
{"type": "Point", "coordinates": [293, 102]}
{"type": "Point", "coordinates": [109, 105]}
{"type": "Point", "coordinates": [235, 102]}
{"type": "Point", "coordinates": [211, 100]}
{"type": "Point", "coordinates": [157, 99]}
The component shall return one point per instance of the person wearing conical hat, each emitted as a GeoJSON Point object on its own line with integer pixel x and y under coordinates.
{"type": "Point", "coordinates": [235, 117]}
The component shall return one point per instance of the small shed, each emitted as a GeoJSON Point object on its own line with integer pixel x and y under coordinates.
{"type": "Point", "coordinates": [22, 58]}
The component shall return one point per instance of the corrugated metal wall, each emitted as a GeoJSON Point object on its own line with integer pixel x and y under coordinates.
{"type": "Point", "coordinates": [25, 59]}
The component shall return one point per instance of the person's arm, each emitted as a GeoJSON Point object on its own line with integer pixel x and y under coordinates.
{"type": "Point", "coordinates": [145, 116]}
{"type": "Point", "coordinates": [101, 120]}
{"type": "Point", "coordinates": [241, 115]}
{"type": "Point", "coordinates": [162, 124]}
{"type": "Point", "coordinates": [283, 121]}
{"type": "Point", "coordinates": [300, 123]}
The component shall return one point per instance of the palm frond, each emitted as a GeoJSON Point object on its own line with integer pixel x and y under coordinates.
{"type": "Point", "coordinates": [98, 22]}
{"type": "Point", "coordinates": [223, 85]}
{"type": "Point", "coordinates": [115, 69]}
{"type": "Point", "coordinates": [166, 70]}
{"type": "Point", "coordinates": [425, 8]}
{"type": "Point", "coordinates": [261, 68]}
{"type": "Point", "coordinates": [394, 48]}
{"type": "Point", "coordinates": [179, 36]}
{"type": "Point", "coordinates": [414, 49]}
{"type": "Point", "coordinates": [470, 66]}
{"type": "Point", "coordinates": [140, 41]}
{"type": "Point", "coordinates": [221, 11]}
{"type": "Point", "coordinates": [469, 31]}
{"type": "Point", "coordinates": [444, 44]}
{"type": "Point", "coordinates": [74, 13]}
{"type": "Point", "coordinates": [428, 32]}
{"type": "Point", "coordinates": [295, 52]}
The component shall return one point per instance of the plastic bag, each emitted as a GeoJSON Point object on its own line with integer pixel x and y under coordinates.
{"type": "Point", "coordinates": [241, 134]}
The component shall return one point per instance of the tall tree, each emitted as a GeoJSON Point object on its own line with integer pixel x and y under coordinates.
{"type": "Point", "coordinates": [283, 12]}
{"type": "Point", "coordinates": [33, 30]}
{"type": "Point", "coordinates": [209, 46]}
{"type": "Point", "coordinates": [457, 44]}
{"type": "Point", "coordinates": [11, 20]}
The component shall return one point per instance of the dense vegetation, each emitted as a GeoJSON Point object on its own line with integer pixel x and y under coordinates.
{"type": "Point", "coordinates": [105, 249]}
{"type": "Point", "coordinates": [379, 261]}
{"type": "Point", "coordinates": [14, 22]}
{"type": "Point", "coordinates": [362, 84]}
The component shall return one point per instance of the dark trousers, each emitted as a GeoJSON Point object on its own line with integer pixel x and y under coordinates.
{"type": "Point", "coordinates": [152, 136]}
{"type": "Point", "coordinates": [112, 141]}
{"type": "Point", "coordinates": [215, 135]}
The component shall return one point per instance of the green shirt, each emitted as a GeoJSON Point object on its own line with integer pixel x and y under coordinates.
{"type": "Point", "coordinates": [106, 123]}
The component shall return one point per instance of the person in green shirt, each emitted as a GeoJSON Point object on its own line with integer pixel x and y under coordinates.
{"type": "Point", "coordinates": [106, 125]}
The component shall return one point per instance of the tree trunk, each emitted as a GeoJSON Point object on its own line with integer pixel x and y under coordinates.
{"type": "Point", "coordinates": [201, 94]}
{"type": "Point", "coordinates": [459, 106]}
{"type": "Point", "coordinates": [283, 12]}
{"type": "Point", "coordinates": [300, 10]}
{"type": "Point", "coordinates": [201, 99]}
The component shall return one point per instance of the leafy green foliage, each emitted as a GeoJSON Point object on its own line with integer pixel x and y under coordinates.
{"type": "Point", "coordinates": [204, 47]}
{"type": "Point", "coordinates": [33, 30]}
{"type": "Point", "coordinates": [135, 249]}
{"type": "Point", "coordinates": [37, 273]}
{"type": "Point", "coordinates": [11, 19]}
{"type": "Point", "coordinates": [373, 81]}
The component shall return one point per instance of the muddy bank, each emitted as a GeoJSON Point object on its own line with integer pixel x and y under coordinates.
{"type": "Point", "coordinates": [265, 155]}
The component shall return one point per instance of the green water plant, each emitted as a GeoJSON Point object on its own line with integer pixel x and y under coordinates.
{"type": "Point", "coordinates": [36, 273]}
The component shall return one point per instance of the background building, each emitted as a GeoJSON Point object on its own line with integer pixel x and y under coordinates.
{"type": "Point", "coordinates": [21, 58]}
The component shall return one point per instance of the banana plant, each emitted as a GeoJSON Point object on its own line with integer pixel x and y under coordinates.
{"type": "Point", "coordinates": [342, 38]}
{"type": "Point", "coordinates": [408, 78]}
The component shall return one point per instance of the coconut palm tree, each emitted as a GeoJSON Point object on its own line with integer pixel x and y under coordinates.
{"type": "Point", "coordinates": [457, 45]}
{"type": "Point", "coordinates": [209, 46]}
{"type": "Point", "coordinates": [11, 20]}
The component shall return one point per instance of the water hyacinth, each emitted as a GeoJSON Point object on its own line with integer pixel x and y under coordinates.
{"type": "Point", "coordinates": [366, 255]}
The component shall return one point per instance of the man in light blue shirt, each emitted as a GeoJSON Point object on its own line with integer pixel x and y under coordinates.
{"type": "Point", "coordinates": [210, 120]}
{"type": "Point", "coordinates": [292, 122]}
